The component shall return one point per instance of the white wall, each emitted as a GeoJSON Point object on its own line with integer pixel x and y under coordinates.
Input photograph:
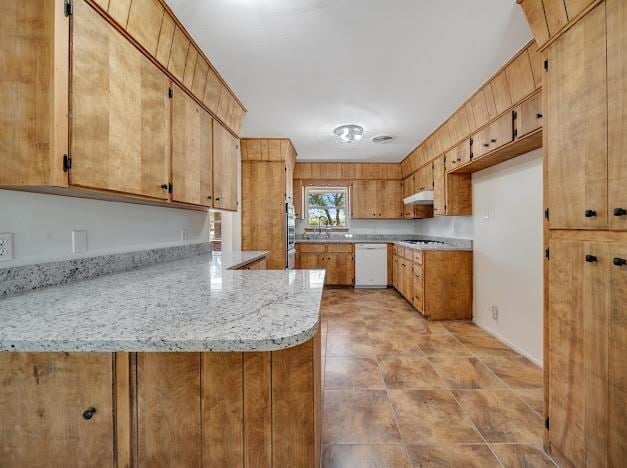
{"type": "Point", "coordinates": [232, 221]}
{"type": "Point", "coordinates": [457, 227]}
{"type": "Point", "coordinates": [371, 226]}
{"type": "Point", "coordinates": [42, 226]}
{"type": "Point", "coordinates": [507, 219]}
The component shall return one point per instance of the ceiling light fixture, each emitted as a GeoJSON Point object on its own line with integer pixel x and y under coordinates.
{"type": "Point", "coordinates": [349, 133]}
{"type": "Point", "coordinates": [382, 139]}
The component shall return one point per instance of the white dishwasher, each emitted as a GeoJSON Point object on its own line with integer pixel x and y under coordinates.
{"type": "Point", "coordinates": [371, 265]}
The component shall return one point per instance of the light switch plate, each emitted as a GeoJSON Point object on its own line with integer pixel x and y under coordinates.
{"type": "Point", "coordinates": [184, 235]}
{"type": "Point", "coordinates": [79, 241]}
{"type": "Point", "coordinates": [6, 246]}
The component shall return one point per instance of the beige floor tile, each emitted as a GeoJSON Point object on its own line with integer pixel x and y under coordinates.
{"type": "Point", "coordinates": [441, 344]}
{"type": "Point", "coordinates": [364, 456]}
{"type": "Point", "coordinates": [522, 456]}
{"type": "Point", "coordinates": [485, 345]}
{"type": "Point", "coordinates": [343, 373]}
{"type": "Point", "coordinates": [397, 342]}
{"type": "Point", "coordinates": [460, 372]}
{"type": "Point", "coordinates": [501, 416]}
{"type": "Point", "coordinates": [349, 346]}
{"type": "Point", "coordinates": [358, 417]}
{"type": "Point", "coordinates": [463, 328]}
{"type": "Point", "coordinates": [409, 372]}
{"type": "Point", "coordinates": [517, 372]}
{"type": "Point", "coordinates": [534, 397]}
{"type": "Point", "coordinates": [431, 417]}
{"type": "Point", "coordinates": [452, 456]}
{"type": "Point", "coordinates": [346, 326]}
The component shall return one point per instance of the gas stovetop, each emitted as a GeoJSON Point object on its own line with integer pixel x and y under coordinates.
{"type": "Point", "coordinates": [423, 242]}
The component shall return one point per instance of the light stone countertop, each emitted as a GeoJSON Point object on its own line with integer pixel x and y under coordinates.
{"type": "Point", "coordinates": [457, 244]}
{"type": "Point", "coordinates": [195, 304]}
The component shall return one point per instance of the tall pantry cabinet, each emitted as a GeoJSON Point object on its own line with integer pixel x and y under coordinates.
{"type": "Point", "coordinates": [113, 100]}
{"type": "Point", "coordinates": [585, 107]}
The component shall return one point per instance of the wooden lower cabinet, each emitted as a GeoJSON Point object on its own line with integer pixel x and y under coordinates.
{"type": "Point", "coordinates": [587, 345]}
{"type": "Point", "coordinates": [337, 260]}
{"type": "Point", "coordinates": [436, 282]}
{"type": "Point", "coordinates": [258, 409]}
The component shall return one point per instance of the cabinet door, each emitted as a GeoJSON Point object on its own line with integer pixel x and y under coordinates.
{"type": "Point", "coordinates": [192, 151]}
{"type": "Point", "coordinates": [577, 126]}
{"type": "Point", "coordinates": [395, 271]}
{"type": "Point", "coordinates": [364, 204]}
{"type": "Point", "coordinates": [225, 159]}
{"type": "Point", "coordinates": [289, 183]}
{"type": "Point", "coordinates": [439, 190]}
{"type": "Point", "coordinates": [498, 133]}
{"type": "Point", "coordinates": [310, 261]}
{"type": "Point", "coordinates": [417, 287]}
{"type": "Point", "coordinates": [298, 199]}
{"type": "Point", "coordinates": [389, 199]}
{"type": "Point", "coordinates": [42, 400]}
{"type": "Point", "coordinates": [520, 77]}
{"type": "Point", "coordinates": [340, 269]}
{"type": "Point", "coordinates": [407, 280]}
{"type": "Point", "coordinates": [120, 124]}
{"type": "Point", "coordinates": [617, 112]}
{"type": "Point", "coordinates": [528, 116]}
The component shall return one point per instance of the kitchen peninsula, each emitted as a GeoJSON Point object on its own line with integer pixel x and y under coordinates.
{"type": "Point", "coordinates": [185, 363]}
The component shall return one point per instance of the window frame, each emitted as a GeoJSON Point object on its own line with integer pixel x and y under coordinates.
{"type": "Point", "coordinates": [328, 188]}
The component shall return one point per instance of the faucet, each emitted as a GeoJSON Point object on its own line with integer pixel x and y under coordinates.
{"type": "Point", "coordinates": [320, 226]}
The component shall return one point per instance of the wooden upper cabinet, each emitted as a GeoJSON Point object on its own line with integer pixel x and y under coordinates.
{"type": "Point", "coordinates": [458, 155]}
{"type": "Point", "coordinates": [192, 151]}
{"type": "Point", "coordinates": [190, 67]}
{"type": "Point", "coordinates": [439, 189]}
{"type": "Point", "coordinates": [520, 78]}
{"type": "Point", "coordinates": [574, 7]}
{"type": "Point", "coordinates": [528, 116]}
{"type": "Point", "coordinates": [576, 86]}
{"type": "Point", "coordinates": [617, 112]}
{"type": "Point", "coordinates": [534, 11]}
{"type": "Point", "coordinates": [178, 54]}
{"type": "Point", "coordinates": [120, 121]}
{"type": "Point", "coordinates": [117, 9]}
{"type": "Point", "coordinates": [555, 12]}
{"type": "Point", "coordinates": [489, 100]}
{"type": "Point", "coordinates": [389, 199]}
{"type": "Point", "coordinates": [225, 160]}
{"type": "Point", "coordinates": [164, 45]}
{"type": "Point", "coordinates": [480, 109]}
{"type": "Point", "coordinates": [144, 23]}
{"type": "Point", "coordinates": [200, 78]}
{"type": "Point", "coordinates": [500, 92]}
{"type": "Point", "coordinates": [364, 199]}
{"type": "Point", "coordinates": [535, 57]}
{"type": "Point", "coordinates": [495, 135]}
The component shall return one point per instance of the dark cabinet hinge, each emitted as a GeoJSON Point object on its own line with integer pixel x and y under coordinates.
{"type": "Point", "coordinates": [472, 141]}
{"type": "Point", "coordinates": [67, 163]}
{"type": "Point", "coordinates": [547, 254]}
{"type": "Point", "coordinates": [168, 187]}
{"type": "Point", "coordinates": [170, 93]}
{"type": "Point", "coordinates": [547, 424]}
{"type": "Point", "coordinates": [68, 9]}
{"type": "Point", "coordinates": [515, 132]}
{"type": "Point", "coordinates": [546, 213]}
{"type": "Point", "coordinates": [546, 65]}
{"type": "Point", "coordinates": [471, 155]}
{"type": "Point", "coordinates": [514, 115]}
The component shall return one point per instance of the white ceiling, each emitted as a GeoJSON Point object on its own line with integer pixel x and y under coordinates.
{"type": "Point", "coordinates": [396, 67]}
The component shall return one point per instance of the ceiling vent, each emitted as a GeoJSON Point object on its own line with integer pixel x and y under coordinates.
{"type": "Point", "coordinates": [382, 139]}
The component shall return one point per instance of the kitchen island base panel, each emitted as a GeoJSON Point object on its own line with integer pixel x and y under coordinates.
{"type": "Point", "coordinates": [162, 409]}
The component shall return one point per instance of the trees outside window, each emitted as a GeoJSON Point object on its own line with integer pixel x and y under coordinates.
{"type": "Point", "coordinates": [327, 206]}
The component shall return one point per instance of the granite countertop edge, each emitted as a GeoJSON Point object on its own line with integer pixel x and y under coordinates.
{"type": "Point", "coordinates": [386, 241]}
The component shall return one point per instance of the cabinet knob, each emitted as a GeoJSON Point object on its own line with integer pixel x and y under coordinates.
{"type": "Point", "coordinates": [538, 115]}
{"type": "Point", "coordinates": [89, 413]}
{"type": "Point", "coordinates": [217, 198]}
{"type": "Point", "coordinates": [620, 211]}
{"type": "Point", "coordinates": [209, 197]}
{"type": "Point", "coordinates": [590, 213]}
{"type": "Point", "coordinates": [591, 258]}
{"type": "Point", "coordinates": [619, 261]}
{"type": "Point", "coordinates": [164, 186]}
{"type": "Point", "coordinates": [493, 140]}
{"type": "Point", "coordinates": [486, 144]}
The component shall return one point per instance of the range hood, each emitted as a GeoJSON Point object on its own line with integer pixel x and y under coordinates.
{"type": "Point", "coordinates": [420, 198]}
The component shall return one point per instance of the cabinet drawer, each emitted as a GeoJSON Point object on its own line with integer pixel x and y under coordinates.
{"type": "Point", "coordinates": [395, 249]}
{"type": "Point", "coordinates": [458, 155]}
{"type": "Point", "coordinates": [417, 270]}
{"type": "Point", "coordinates": [498, 133]}
{"type": "Point", "coordinates": [340, 248]}
{"type": "Point", "coordinates": [314, 248]}
{"type": "Point", "coordinates": [529, 116]}
{"type": "Point", "coordinates": [408, 254]}
{"type": "Point", "coordinates": [418, 295]}
{"type": "Point", "coordinates": [418, 256]}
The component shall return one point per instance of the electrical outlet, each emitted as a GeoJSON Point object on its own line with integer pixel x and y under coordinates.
{"type": "Point", "coordinates": [495, 312]}
{"type": "Point", "coordinates": [184, 235]}
{"type": "Point", "coordinates": [6, 246]}
{"type": "Point", "coordinates": [79, 241]}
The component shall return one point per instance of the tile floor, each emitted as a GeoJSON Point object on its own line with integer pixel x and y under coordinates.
{"type": "Point", "coordinates": [400, 391]}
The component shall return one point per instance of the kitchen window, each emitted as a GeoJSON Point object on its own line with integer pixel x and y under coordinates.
{"type": "Point", "coordinates": [215, 230]}
{"type": "Point", "coordinates": [327, 206]}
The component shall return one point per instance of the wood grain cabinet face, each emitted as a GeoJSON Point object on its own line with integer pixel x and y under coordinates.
{"type": "Point", "coordinates": [120, 121]}
{"type": "Point", "coordinates": [225, 159]}
{"type": "Point", "coordinates": [498, 133]}
{"type": "Point", "coordinates": [42, 402]}
{"type": "Point", "coordinates": [192, 151]}
{"type": "Point", "coordinates": [534, 11]}
{"type": "Point", "coordinates": [520, 77]}
{"type": "Point", "coordinates": [144, 23]}
{"type": "Point", "coordinates": [364, 200]}
{"type": "Point", "coordinates": [389, 199]}
{"type": "Point", "coordinates": [528, 116]}
{"type": "Point", "coordinates": [576, 87]}
{"type": "Point", "coordinates": [439, 194]}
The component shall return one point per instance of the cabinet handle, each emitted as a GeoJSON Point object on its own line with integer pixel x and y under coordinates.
{"type": "Point", "coordinates": [209, 197]}
{"type": "Point", "coordinates": [89, 413]}
{"type": "Point", "coordinates": [486, 144]}
{"type": "Point", "coordinates": [493, 140]}
{"type": "Point", "coordinates": [538, 115]}
{"type": "Point", "coordinates": [619, 261]}
{"type": "Point", "coordinates": [164, 186]}
{"type": "Point", "coordinates": [590, 213]}
{"type": "Point", "coordinates": [217, 198]}
{"type": "Point", "coordinates": [591, 258]}
{"type": "Point", "coordinates": [620, 211]}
